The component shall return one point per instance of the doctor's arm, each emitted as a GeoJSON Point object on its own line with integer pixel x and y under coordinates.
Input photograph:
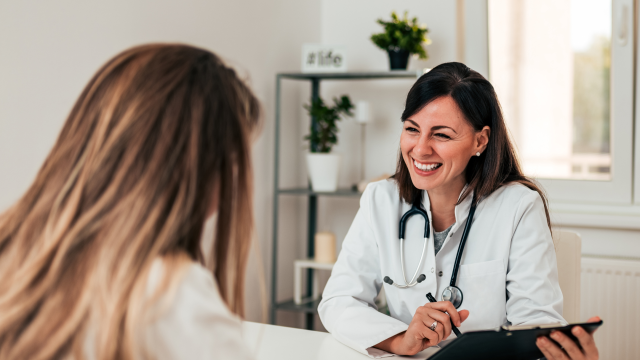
{"type": "Point", "coordinates": [347, 309]}
{"type": "Point", "coordinates": [533, 290]}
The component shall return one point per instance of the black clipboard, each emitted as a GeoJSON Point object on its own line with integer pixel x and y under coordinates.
{"type": "Point", "coordinates": [503, 343]}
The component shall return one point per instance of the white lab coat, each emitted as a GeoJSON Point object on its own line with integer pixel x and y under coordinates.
{"type": "Point", "coordinates": [508, 272]}
{"type": "Point", "coordinates": [196, 325]}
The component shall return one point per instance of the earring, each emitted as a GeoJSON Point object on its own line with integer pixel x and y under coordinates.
{"type": "Point", "coordinates": [478, 153]}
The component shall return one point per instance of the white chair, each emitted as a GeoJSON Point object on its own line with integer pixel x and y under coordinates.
{"type": "Point", "coordinates": [568, 245]}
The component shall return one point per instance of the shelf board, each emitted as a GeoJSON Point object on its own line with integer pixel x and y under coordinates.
{"type": "Point", "coordinates": [313, 264]}
{"type": "Point", "coordinates": [309, 307]}
{"type": "Point", "coordinates": [369, 75]}
{"type": "Point", "coordinates": [309, 192]}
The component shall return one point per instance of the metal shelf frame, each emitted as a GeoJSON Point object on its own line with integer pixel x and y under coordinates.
{"type": "Point", "coordinates": [310, 308]}
{"type": "Point", "coordinates": [309, 192]}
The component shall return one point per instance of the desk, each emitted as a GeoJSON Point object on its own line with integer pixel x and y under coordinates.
{"type": "Point", "coordinates": [270, 342]}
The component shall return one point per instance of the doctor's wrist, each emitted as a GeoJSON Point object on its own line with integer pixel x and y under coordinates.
{"type": "Point", "coordinates": [393, 344]}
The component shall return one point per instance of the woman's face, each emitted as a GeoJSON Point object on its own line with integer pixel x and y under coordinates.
{"type": "Point", "coordinates": [437, 143]}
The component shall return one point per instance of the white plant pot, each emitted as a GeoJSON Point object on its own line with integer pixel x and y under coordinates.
{"type": "Point", "coordinates": [323, 171]}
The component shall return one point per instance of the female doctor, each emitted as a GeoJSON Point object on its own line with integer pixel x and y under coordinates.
{"type": "Point", "coordinates": [458, 166]}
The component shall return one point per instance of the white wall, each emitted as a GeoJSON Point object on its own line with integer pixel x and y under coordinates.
{"type": "Point", "coordinates": [49, 50]}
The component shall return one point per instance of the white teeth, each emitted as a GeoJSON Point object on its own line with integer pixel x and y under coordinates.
{"type": "Point", "coordinates": [425, 167]}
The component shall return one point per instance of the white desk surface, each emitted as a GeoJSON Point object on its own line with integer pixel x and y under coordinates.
{"type": "Point", "coordinates": [270, 342]}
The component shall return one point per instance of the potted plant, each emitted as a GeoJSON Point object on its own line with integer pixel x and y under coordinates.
{"type": "Point", "coordinates": [401, 38]}
{"type": "Point", "coordinates": [322, 164]}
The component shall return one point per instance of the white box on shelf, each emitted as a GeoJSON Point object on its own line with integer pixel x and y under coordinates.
{"type": "Point", "coordinates": [319, 58]}
{"type": "Point", "coordinates": [298, 266]}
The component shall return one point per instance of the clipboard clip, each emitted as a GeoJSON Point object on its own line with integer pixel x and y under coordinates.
{"type": "Point", "coordinates": [527, 327]}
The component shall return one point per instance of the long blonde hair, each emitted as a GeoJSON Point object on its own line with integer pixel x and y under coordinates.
{"type": "Point", "coordinates": [130, 179]}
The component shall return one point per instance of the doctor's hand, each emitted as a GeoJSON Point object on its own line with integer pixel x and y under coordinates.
{"type": "Point", "coordinates": [571, 350]}
{"type": "Point", "coordinates": [419, 336]}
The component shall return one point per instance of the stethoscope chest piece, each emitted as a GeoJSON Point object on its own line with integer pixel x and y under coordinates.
{"type": "Point", "coordinates": [452, 294]}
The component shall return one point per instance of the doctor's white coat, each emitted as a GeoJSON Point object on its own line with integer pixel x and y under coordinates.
{"type": "Point", "coordinates": [508, 272]}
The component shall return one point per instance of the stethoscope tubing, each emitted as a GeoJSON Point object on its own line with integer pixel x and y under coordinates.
{"type": "Point", "coordinates": [463, 241]}
{"type": "Point", "coordinates": [413, 281]}
{"type": "Point", "coordinates": [416, 210]}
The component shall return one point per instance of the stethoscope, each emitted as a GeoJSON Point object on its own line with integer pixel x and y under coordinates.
{"type": "Point", "coordinates": [451, 293]}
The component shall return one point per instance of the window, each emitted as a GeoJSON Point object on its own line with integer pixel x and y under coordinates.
{"type": "Point", "coordinates": [563, 71]}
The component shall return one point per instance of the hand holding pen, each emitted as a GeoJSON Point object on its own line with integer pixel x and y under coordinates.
{"type": "Point", "coordinates": [431, 323]}
{"type": "Point", "coordinates": [453, 327]}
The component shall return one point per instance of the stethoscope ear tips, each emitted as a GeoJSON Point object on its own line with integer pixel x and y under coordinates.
{"type": "Point", "coordinates": [388, 280]}
{"type": "Point", "coordinates": [421, 278]}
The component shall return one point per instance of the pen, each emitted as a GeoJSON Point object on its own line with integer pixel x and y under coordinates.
{"type": "Point", "coordinates": [453, 327]}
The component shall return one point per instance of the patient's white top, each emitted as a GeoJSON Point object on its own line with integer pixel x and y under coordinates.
{"type": "Point", "coordinates": [196, 325]}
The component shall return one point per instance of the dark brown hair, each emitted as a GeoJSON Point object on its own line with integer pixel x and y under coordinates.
{"type": "Point", "coordinates": [130, 179]}
{"type": "Point", "coordinates": [498, 165]}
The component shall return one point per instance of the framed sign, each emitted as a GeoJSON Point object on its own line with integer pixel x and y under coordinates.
{"type": "Point", "coordinates": [318, 58]}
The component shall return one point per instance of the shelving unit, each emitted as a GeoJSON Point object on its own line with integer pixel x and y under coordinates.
{"type": "Point", "coordinates": [309, 308]}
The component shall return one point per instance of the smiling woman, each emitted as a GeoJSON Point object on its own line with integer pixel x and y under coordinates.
{"type": "Point", "coordinates": [450, 116]}
{"type": "Point", "coordinates": [436, 155]}
{"type": "Point", "coordinates": [486, 228]}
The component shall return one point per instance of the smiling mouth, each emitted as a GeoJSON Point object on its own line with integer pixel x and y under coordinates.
{"type": "Point", "coordinates": [426, 167]}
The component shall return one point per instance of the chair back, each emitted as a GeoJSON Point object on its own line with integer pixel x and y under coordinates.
{"type": "Point", "coordinates": [568, 245]}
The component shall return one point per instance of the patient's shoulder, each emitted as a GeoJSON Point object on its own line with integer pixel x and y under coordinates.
{"type": "Point", "coordinates": [197, 323]}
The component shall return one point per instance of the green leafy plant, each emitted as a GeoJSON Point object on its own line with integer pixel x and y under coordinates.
{"type": "Point", "coordinates": [325, 132]}
{"type": "Point", "coordinates": [402, 34]}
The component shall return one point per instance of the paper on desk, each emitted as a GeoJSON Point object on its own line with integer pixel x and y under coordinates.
{"type": "Point", "coordinates": [376, 353]}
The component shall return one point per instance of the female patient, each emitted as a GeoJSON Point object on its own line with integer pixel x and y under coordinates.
{"type": "Point", "coordinates": [101, 257]}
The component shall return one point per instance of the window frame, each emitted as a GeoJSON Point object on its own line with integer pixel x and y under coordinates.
{"type": "Point", "coordinates": [619, 191]}
{"type": "Point", "coordinates": [636, 141]}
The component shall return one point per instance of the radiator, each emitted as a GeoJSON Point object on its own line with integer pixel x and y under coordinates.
{"type": "Point", "coordinates": [611, 290]}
